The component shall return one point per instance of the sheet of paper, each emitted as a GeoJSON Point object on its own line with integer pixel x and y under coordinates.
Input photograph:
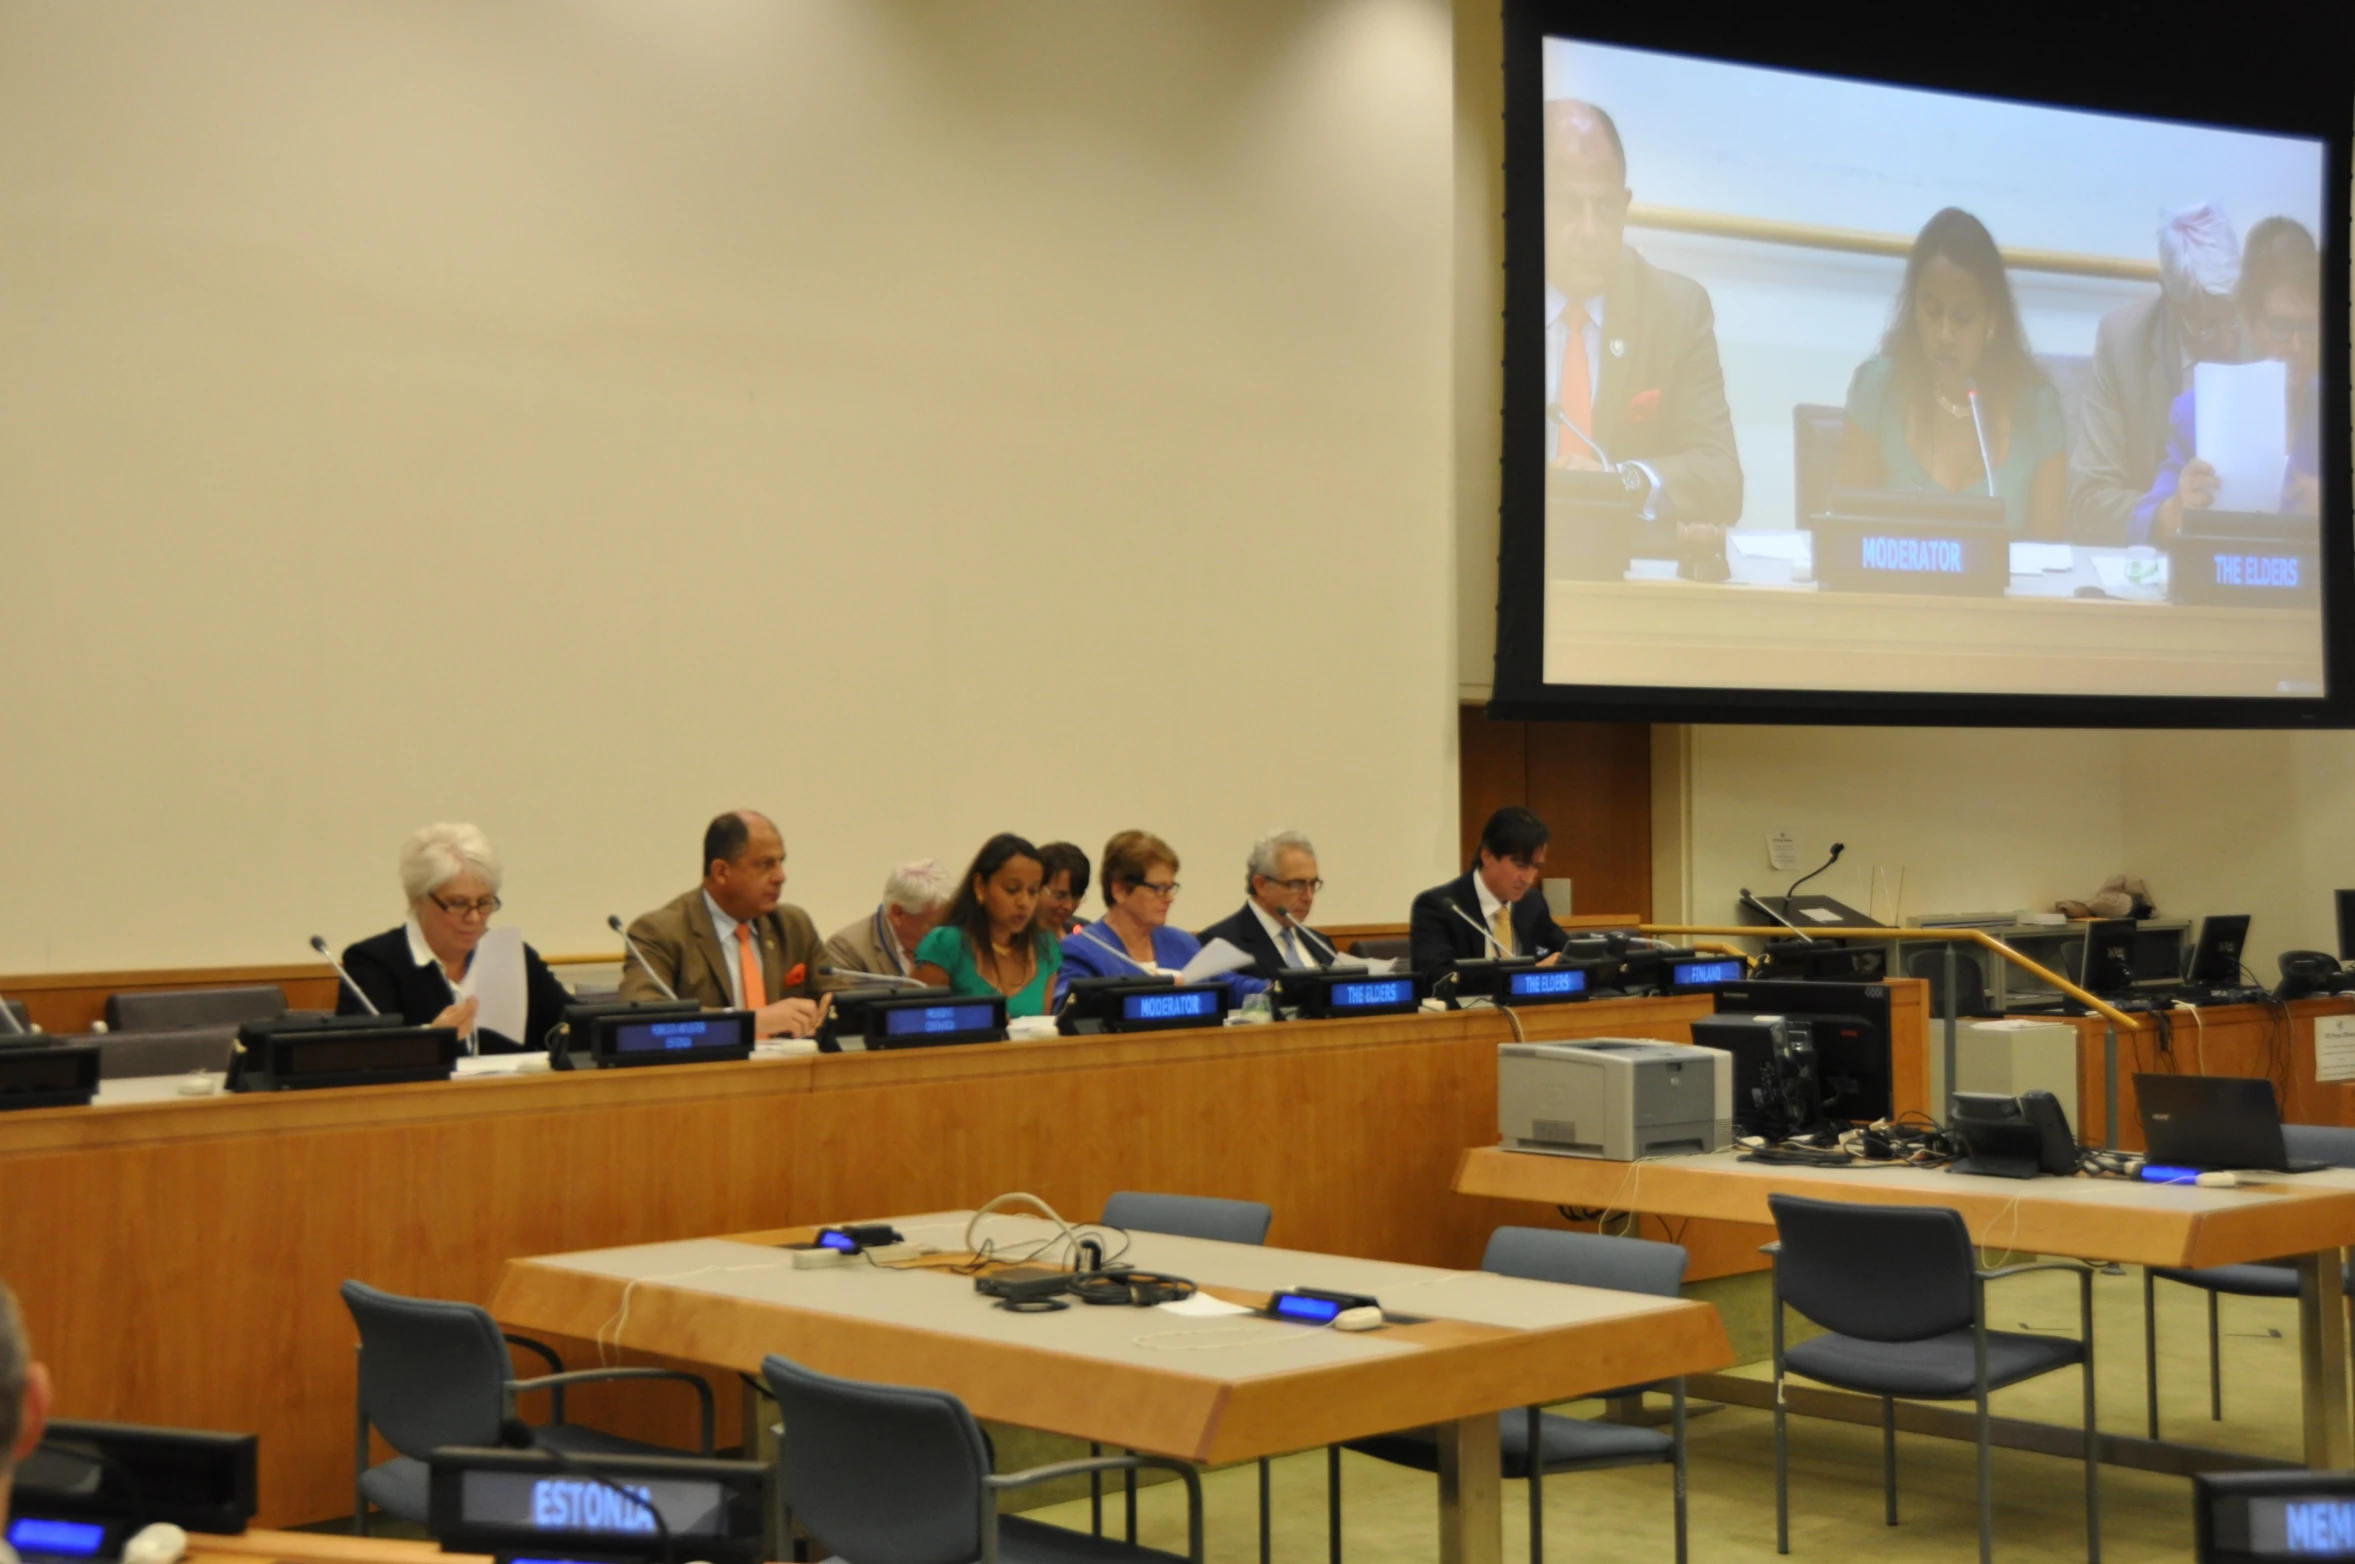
{"type": "Point", "coordinates": [1784, 543]}
{"type": "Point", "coordinates": [1216, 959]}
{"type": "Point", "coordinates": [499, 1001]}
{"type": "Point", "coordinates": [2334, 1048]}
{"type": "Point", "coordinates": [2034, 559]}
{"type": "Point", "coordinates": [1202, 1306]}
{"type": "Point", "coordinates": [2241, 429]}
{"type": "Point", "coordinates": [1818, 914]}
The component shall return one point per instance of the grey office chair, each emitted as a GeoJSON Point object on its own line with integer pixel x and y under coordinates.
{"type": "Point", "coordinates": [163, 1051]}
{"type": "Point", "coordinates": [1397, 948]}
{"type": "Point", "coordinates": [1187, 1216]}
{"type": "Point", "coordinates": [177, 1008]}
{"type": "Point", "coordinates": [889, 1474]}
{"type": "Point", "coordinates": [1899, 1290]}
{"type": "Point", "coordinates": [435, 1374]}
{"type": "Point", "coordinates": [1970, 982]}
{"type": "Point", "coordinates": [1816, 433]}
{"type": "Point", "coordinates": [2257, 1279]}
{"type": "Point", "coordinates": [1569, 1444]}
{"type": "Point", "coordinates": [24, 1020]}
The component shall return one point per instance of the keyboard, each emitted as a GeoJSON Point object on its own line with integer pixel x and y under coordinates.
{"type": "Point", "coordinates": [2240, 995]}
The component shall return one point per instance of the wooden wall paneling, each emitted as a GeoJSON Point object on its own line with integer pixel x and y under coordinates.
{"type": "Point", "coordinates": [1492, 764]}
{"type": "Point", "coordinates": [1592, 782]}
{"type": "Point", "coordinates": [2245, 1040]}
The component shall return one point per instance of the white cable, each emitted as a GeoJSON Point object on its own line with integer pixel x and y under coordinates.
{"type": "Point", "coordinates": [1263, 1337]}
{"type": "Point", "coordinates": [620, 1318]}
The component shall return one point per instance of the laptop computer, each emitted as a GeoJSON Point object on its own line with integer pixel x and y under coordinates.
{"type": "Point", "coordinates": [2214, 1122]}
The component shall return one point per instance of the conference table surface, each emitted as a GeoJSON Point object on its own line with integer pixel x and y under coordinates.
{"type": "Point", "coordinates": [2308, 1217]}
{"type": "Point", "coordinates": [1214, 1388]}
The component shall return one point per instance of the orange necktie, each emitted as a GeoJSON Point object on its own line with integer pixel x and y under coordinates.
{"type": "Point", "coordinates": [1578, 395]}
{"type": "Point", "coordinates": [756, 993]}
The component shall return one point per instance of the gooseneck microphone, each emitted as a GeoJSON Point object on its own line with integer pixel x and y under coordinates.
{"type": "Point", "coordinates": [319, 944]}
{"type": "Point", "coordinates": [14, 1025]}
{"type": "Point", "coordinates": [1485, 932]}
{"type": "Point", "coordinates": [516, 1434]}
{"type": "Point", "coordinates": [1979, 427]}
{"type": "Point", "coordinates": [1291, 922]}
{"type": "Point", "coordinates": [613, 922]}
{"type": "Point", "coordinates": [1837, 849]}
{"type": "Point", "coordinates": [888, 979]}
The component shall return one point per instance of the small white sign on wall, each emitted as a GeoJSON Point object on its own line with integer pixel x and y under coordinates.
{"type": "Point", "coordinates": [1782, 850]}
{"type": "Point", "coordinates": [2334, 1048]}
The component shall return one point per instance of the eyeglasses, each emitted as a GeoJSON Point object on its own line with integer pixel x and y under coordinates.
{"type": "Point", "coordinates": [1296, 887]}
{"type": "Point", "coordinates": [458, 909]}
{"type": "Point", "coordinates": [1165, 891]}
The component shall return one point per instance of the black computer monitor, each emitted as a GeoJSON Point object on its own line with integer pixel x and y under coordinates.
{"type": "Point", "coordinates": [1849, 1024]}
{"type": "Point", "coordinates": [2346, 900]}
{"type": "Point", "coordinates": [2109, 957]}
{"type": "Point", "coordinates": [2216, 962]}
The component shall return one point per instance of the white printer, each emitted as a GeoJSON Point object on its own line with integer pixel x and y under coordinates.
{"type": "Point", "coordinates": [1618, 1098]}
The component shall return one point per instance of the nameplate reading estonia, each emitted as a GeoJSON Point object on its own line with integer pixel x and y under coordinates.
{"type": "Point", "coordinates": [1934, 556]}
{"type": "Point", "coordinates": [569, 1504]}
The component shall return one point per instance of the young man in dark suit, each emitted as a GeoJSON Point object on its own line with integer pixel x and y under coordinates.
{"type": "Point", "coordinates": [1280, 879]}
{"type": "Point", "coordinates": [1492, 910]}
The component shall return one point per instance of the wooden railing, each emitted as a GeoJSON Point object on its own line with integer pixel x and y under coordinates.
{"type": "Point", "coordinates": [1862, 241]}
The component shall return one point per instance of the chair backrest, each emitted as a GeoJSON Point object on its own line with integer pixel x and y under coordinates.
{"type": "Point", "coordinates": [1970, 982]}
{"type": "Point", "coordinates": [1189, 1216]}
{"type": "Point", "coordinates": [1885, 1273]}
{"type": "Point", "coordinates": [194, 1007]}
{"type": "Point", "coordinates": [1394, 948]}
{"type": "Point", "coordinates": [886, 1474]}
{"type": "Point", "coordinates": [1816, 434]}
{"type": "Point", "coordinates": [16, 1008]}
{"type": "Point", "coordinates": [431, 1373]}
{"type": "Point", "coordinates": [1546, 1254]}
{"type": "Point", "coordinates": [172, 1052]}
{"type": "Point", "coordinates": [2320, 1143]}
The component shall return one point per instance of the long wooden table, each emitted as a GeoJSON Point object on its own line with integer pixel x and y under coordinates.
{"type": "Point", "coordinates": [2311, 1217]}
{"type": "Point", "coordinates": [1218, 1390]}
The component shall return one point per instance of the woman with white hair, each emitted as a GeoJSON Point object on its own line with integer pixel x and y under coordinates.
{"type": "Point", "coordinates": [432, 970]}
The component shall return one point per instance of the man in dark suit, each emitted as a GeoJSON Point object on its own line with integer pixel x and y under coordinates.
{"type": "Point", "coordinates": [1633, 383]}
{"type": "Point", "coordinates": [1491, 911]}
{"type": "Point", "coordinates": [1281, 885]}
{"type": "Point", "coordinates": [730, 943]}
{"type": "Point", "coordinates": [2143, 355]}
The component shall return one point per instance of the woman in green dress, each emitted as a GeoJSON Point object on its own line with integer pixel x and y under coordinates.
{"type": "Point", "coordinates": [1957, 333]}
{"type": "Point", "coordinates": [988, 941]}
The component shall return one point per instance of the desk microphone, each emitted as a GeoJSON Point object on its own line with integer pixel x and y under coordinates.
{"type": "Point", "coordinates": [319, 944]}
{"type": "Point", "coordinates": [1837, 849]}
{"type": "Point", "coordinates": [1561, 420]}
{"type": "Point", "coordinates": [1485, 932]}
{"type": "Point", "coordinates": [890, 979]}
{"type": "Point", "coordinates": [1749, 900]}
{"type": "Point", "coordinates": [9, 1015]}
{"type": "Point", "coordinates": [516, 1434]}
{"type": "Point", "coordinates": [613, 922]}
{"type": "Point", "coordinates": [1978, 427]}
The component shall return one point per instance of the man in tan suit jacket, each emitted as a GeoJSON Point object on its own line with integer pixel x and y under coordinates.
{"type": "Point", "coordinates": [693, 942]}
{"type": "Point", "coordinates": [885, 940]}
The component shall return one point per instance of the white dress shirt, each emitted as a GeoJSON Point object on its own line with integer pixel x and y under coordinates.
{"type": "Point", "coordinates": [1277, 929]}
{"type": "Point", "coordinates": [726, 926]}
{"type": "Point", "coordinates": [1557, 340]}
{"type": "Point", "coordinates": [423, 955]}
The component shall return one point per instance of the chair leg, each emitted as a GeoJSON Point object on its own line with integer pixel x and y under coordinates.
{"type": "Point", "coordinates": [1676, 1457]}
{"type": "Point", "coordinates": [1536, 1488]}
{"type": "Point", "coordinates": [2093, 1465]}
{"type": "Point", "coordinates": [1782, 1441]}
{"type": "Point", "coordinates": [359, 1455]}
{"type": "Point", "coordinates": [1333, 1502]}
{"type": "Point", "coordinates": [1131, 1484]}
{"type": "Point", "coordinates": [1986, 1473]}
{"type": "Point", "coordinates": [2150, 1349]}
{"type": "Point", "coordinates": [2215, 1364]}
{"type": "Point", "coordinates": [1095, 1493]}
{"type": "Point", "coordinates": [1266, 1541]}
{"type": "Point", "coordinates": [1889, 1457]}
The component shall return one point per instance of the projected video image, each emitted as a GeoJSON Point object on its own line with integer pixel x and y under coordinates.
{"type": "Point", "coordinates": [1856, 387]}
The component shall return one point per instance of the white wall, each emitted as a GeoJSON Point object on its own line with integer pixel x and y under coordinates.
{"type": "Point", "coordinates": [913, 420]}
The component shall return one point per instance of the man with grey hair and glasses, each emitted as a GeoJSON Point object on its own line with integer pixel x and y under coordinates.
{"type": "Point", "coordinates": [1281, 885]}
{"type": "Point", "coordinates": [24, 1404]}
{"type": "Point", "coordinates": [2143, 355]}
{"type": "Point", "coordinates": [885, 939]}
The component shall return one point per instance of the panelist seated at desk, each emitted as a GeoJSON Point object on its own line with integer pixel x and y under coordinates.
{"type": "Point", "coordinates": [885, 940]}
{"type": "Point", "coordinates": [2280, 295]}
{"type": "Point", "coordinates": [1134, 938]}
{"type": "Point", "coordinates": [990, 940]}
{"type": "Point", "coordinates": [731, 944]}
{"type": "Point", "coordinates": [436, 968]}
{"type": "Point", "coordinates": [1280, 884]}
{"type": "Point", "coordinates": [1496, 895]}
{"type": "Point", "coordinates": [1068, 874]}
{"type": "Point", "coordinates": [1956, 330]}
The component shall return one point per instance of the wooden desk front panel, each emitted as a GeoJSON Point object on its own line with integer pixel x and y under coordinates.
{"type": "Point", "coordinates": [178, 1261]}
{"type": "Point", "coordinates": [2252, 1040]}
